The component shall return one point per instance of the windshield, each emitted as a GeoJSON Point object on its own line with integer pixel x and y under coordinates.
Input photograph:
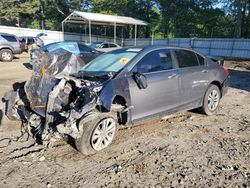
{"type": "Point", "coordinates": [110, 62]}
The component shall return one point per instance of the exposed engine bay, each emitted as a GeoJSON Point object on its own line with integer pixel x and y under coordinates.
{"type": "Point", "coordinates": [55, 97]}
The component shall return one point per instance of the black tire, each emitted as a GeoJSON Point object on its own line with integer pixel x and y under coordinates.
{"type": "Point", "coordinates": [206, 107]}
{"type": "Point", "coordinates": [6, 55]}
{"type": "Point", "coordinates": [87, 126]}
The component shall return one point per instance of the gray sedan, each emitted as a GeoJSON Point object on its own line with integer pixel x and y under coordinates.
{"type": "Point", "coordinates": [126, 86]}
{"type": "Point", "coordinates": [148, 83]}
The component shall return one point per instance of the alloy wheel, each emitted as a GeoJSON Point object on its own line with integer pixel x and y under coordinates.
{"type": "Point", "coordinates": [6, 56]}
{"type": "Point", "coordinates": [103, 134]}
{"type": "Point", "coordinates": [213, 100]}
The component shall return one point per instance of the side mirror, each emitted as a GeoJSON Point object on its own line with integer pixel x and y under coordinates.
{"type": "Point", "coordinates": [141, 80]}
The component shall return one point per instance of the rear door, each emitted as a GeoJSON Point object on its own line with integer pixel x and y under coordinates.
{"type": "Point", "coordinates": [162, 92]}
{"type": "Point", "coordinates": [194, 76]}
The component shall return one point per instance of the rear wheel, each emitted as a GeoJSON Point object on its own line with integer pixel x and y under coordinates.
{"type": "Point", "coordinates": [6, 55]}
{"type": "Point", "coordinates": [211, 100]}
{"type": "Point", "coordinates": [97, 132]}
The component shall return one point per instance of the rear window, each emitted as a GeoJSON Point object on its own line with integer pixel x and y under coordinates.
{"type": "Point", "coordinates": [9, 38]}
{"type": "Point", "coordinates": [112, 45]}
{"type": "Point", "coordinates": [105, 45]}
{"type": "Point", "coordinates": [31, 41]}
{"type": "Point", "coordinates": [186, 58]}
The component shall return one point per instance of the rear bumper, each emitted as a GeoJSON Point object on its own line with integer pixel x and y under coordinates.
{"type": "Point", "coordinates": [225, 85]}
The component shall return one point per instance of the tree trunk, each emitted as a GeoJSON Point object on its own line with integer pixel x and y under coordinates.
{"type": "Point", "coordinates": [148, 7]}
{"type": "Point", "coordinates": [239, 16]}
{"type": "Point", "coordinates": [247, 34]}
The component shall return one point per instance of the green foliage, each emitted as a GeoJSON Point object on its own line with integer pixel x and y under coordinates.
{"type": "Point", "coordinates": [8, 11]}
{"type": "Point", "coordinates": [168, 18]}
{"type": "Point", "coordinates": [34, 24]}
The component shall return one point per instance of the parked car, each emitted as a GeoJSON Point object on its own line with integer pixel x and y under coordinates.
{"type": "Point", "coordinates": [105, 46]}
{"type": "Point", "coordinates": [29, 42]}
{"type": "Point", "coordinates": [84, 52]}
{"type": "Point", "coordinates": [126, 86]}
{"type": "Point", "coordinates": [9, 46]}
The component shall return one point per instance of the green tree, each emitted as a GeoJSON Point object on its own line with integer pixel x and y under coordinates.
{"type": "Point", "coordinates": [168, 18]}
{"type": "Point", "coordinates": [240, 10]}
{"type": "Point", "coordinates": [140, 9]}
{"type": "Point", "coordinates": [20, 12]}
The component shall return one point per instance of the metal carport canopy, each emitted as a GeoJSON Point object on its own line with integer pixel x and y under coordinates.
{"type": "Point", "coordinates": [102, 19]}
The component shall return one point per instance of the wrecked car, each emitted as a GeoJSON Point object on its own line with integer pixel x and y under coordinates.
{"type": "Point", "coordinates": [122, 87]}
{"type": "Point", "coordinates": [84, 52]}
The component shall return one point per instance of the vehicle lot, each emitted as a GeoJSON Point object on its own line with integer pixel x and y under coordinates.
{"type": "Point", "coordinates": [186, 149]}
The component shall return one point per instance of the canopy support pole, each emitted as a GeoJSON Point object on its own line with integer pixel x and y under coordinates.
{"type": "Point", "coordinates": [135, 34]}
{"type": "Point", "coordinates": [114, 32]}
{"type": "Point", "coordinates": [90, 39]}
{"type": "Point", "coordinates": [63, 31]}
{"type": "Point", "coordinates": [122, 42]}
{"type": "Point", "coordinates": [152, 42]}
{"type": "Point", "coordinates": [85, 33]}
{"type": "Point", "coordinates": [105, 34]}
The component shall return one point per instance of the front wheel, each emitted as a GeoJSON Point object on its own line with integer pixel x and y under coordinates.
{"type": "Point", "coordinates": [97, 132]}
{"type": "Point", "coordinates": [211, 100]}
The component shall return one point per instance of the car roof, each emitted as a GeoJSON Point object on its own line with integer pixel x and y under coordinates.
{"type": "Point", "coordinates": [68, 42]}
{"type": "Point", "coordinates": [146, 49]}
{"type": "Point", "coordinates": [109, 43]}
{"type": "Point", "coordinates": [63, 42]}
{"type": "Point", "coordinates": [155, 47]}
{"type": "Point", "coordinates": [27, 37]}
{"type": "Point", "coordinates": [7, 34]}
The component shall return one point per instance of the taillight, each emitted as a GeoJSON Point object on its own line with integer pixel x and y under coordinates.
{"type": "Point", "coordinates": [20, 45]}
{"type": "Point", "coordinates": [226, 71]}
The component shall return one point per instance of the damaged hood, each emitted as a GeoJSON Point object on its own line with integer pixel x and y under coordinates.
{"type": "Point", "coordinates": [49, 68]}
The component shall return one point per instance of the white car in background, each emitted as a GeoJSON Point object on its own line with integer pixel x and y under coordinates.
{"type": "Point", "coordinates": [105, 46]}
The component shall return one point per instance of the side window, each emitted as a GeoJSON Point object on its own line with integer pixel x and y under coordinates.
{"type": "Point", "coordinates": [201, 59]}
{"type": "Point", "coordinates": [9, 38]}
{"type": "Point", "coordinates": [83, 49]}
{"type": "Point", "coordinates": [158, 60]}
{"type": "Point", "coordinates": [112, 46]}
{"type": "Point", "coordinates": [186, 58]}
{"type": "Point", "coordinates": [105, 45]}
{"type": "Point", "coordinates": [30, 41]}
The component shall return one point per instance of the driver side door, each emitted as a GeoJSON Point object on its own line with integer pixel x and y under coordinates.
{"type": "Point", "coordinates": [162, 92]}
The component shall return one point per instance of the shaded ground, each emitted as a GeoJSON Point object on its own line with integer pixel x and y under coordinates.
{"type": "Point", "coordinates": [188, 149]}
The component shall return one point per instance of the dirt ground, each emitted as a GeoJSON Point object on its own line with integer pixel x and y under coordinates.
{"type": "Point", "coordinates": [186, 150]}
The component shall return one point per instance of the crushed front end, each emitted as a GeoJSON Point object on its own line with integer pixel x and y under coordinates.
{"type": "Point", "coordinates": [52, 101]}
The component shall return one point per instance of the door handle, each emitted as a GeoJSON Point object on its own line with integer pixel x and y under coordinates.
{"type": "Point", "coordinates": [173, 76]}
{"type": "Point", "coordinates": [204, 71]}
